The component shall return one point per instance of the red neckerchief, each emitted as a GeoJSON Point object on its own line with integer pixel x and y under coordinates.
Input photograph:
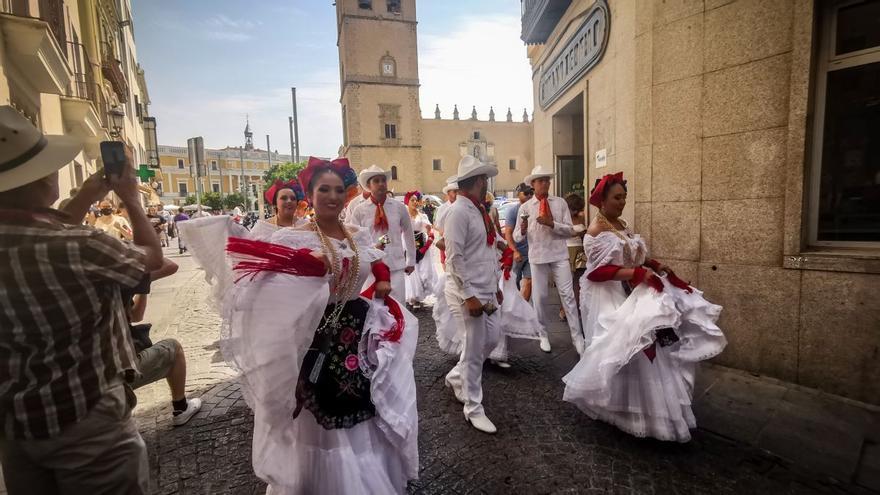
{"type": "Point", "coordinates": [487, 220]}
{"type": "Point", "coordinates": [380, 221]}
{"type": "Point", "coordinates": [544, 206]}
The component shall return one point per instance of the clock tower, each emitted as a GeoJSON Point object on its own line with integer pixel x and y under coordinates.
{"type": "Point", "coordinates": [379, 80]}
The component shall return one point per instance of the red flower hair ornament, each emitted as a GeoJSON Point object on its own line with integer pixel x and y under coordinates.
{"type": "Point", "coordinates": [410, 195]}
{"type": "Point", "coordinates": [605, 182]}
{"type": "Point", "coordinates": [279, 184]}
{"type": "Point", "coordinates": [340, 165]}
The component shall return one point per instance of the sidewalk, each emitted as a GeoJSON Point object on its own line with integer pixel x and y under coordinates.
{"type": "Point", "coordinates": [817, 432]}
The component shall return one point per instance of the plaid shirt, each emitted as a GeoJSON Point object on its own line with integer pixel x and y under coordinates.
{"type": "Point", "coordinates": [63, 331]}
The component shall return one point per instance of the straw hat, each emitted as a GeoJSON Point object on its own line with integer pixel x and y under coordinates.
{"type": "Point", "coordinates": [26, 155]}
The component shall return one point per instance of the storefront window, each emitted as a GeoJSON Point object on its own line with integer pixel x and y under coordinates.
{"type": "Point", "coordinates": [845, 185]}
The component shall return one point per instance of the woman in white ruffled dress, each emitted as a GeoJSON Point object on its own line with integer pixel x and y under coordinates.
{"type": "Point", "coordinates": [420, 283]}
{"type": "Point", "coordinates": [288, 198]}
{"type": "Point", "coordinates": [645, 330]}
{"type": "Point", "coordinates": [327, 371]}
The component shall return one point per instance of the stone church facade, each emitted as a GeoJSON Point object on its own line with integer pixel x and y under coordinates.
{"type": "Point", "coordinates": [382, 120]}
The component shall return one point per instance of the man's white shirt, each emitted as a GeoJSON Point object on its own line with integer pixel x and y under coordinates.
{"type": "Point", "coordinates": [470, 262]}
{"type": "Point", "coordinates": [350, 207]}
{"type": "Point", "coordinates": [546, 244]}
{"type": "Point", "coordinates": [440, 215]}
{"type": "Point", "coordinates": [400, 231]}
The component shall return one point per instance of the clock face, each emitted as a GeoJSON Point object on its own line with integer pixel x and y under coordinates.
{"type": "Point", "coordinates": [387, 69]}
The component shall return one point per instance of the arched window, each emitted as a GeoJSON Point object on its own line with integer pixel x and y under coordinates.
{"type": "Point", "coordinates": [394, 172]}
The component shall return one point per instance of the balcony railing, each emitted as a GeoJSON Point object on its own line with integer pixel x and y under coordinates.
{"type": "Point", "coordinates": [539, 18]}
{"type": "Point", "coordinates": [52, 11]}
{"type": "Point", "coordinates": [111, 67]}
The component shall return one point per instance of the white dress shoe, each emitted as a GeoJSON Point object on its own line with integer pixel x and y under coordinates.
{"type": "Point", "coordinates": [455, 390]}
{"type": "Point", "coordinates": [501, 364]}
{"type": "Point", "coordinates": [545, 344]}
{"type": "Point", "coordinates": [482, 423]}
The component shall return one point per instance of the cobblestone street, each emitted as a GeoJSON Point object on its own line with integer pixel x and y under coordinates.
{"type": "Point", "coordinates": [544, 445]}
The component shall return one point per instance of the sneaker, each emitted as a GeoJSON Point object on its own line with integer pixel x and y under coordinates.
{"type": "Point", "coordinates": [192, 407]}
{"type": "Point", "coordinates": [501, 364]}
{"type": "Point", "coordinates": [545, 344]}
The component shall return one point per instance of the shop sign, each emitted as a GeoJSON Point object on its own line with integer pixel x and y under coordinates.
{"type": "Point", "coordinates": [580, 54]}
{"type": "Point", "coordinates": [601, 158]}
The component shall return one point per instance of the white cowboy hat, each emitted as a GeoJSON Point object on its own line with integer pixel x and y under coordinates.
{"type": "Point", "coordinates": [469, 167]}
{"type": "Point", "coordinates": [537, 173]}
{"type": "Point", "coordinates": [26, 155]}
{"type": "Point", "coordinates": [370, 172]}
{"type": "Point", "coordinates": [451, 184]}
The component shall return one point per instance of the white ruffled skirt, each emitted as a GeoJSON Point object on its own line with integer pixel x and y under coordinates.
{"type": "Point", "coordinates": [615, 381]}
{"type": "Point", "coordinates": [269, 325]}
{"type": "Point", "coordinates": [420, 283]}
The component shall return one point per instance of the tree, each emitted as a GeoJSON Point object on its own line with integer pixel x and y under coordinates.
{"type": "Point", "coordinates": [213, 200]}
{"type": "Point", "coordinates": [232, 200]}
{"type": "Point", "coordinates": [283, 171]}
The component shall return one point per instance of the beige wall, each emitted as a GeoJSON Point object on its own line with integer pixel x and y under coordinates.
{"type": "Point", "coordinates": [704, 106]}
{"type": "Point", "coordinates": [441, 139]}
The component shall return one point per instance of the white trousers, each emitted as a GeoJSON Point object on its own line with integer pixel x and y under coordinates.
{"type": "Point", "coordinates": [481, 335]}
{"type": "Point", "coordinates": [398, 285]}
{"type": "Point", "coordinates": [560, 271]}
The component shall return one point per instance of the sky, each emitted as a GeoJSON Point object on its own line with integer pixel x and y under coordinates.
{"type": "Point", "coordinates": [209, 63]}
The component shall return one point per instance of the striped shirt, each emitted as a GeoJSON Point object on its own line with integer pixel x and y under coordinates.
{"type": "Point", "coordinates": [63, 331]}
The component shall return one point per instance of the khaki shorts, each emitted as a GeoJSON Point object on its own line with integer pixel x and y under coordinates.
{"type": "Point", "coordinates": [155, 362]}
{"type": "Point", "coordinates": [102, 453]}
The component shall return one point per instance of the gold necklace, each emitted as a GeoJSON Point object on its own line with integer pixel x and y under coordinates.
{"type": "Point", "coordinates": [608, 223]}
{"type": "Point", "coordinates": [342, 289]}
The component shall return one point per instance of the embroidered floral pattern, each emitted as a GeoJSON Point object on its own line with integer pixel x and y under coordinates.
{"type": "Point", "coordinates": [351, 362]}
{"type": "Point", "coordinates": [331, 384]}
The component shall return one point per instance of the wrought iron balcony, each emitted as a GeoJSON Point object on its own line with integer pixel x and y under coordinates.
{"type": "Point", "coordinates": [111, 67]}
{"type": "Point", "coordinates": [52, 11]}
{"type": "Point", "coordinates": [539, 18]}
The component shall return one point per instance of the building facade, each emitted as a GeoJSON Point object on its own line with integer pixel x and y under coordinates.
{"type": "Point", "coordinates": [382, 121]}
{"type": "Point", "coordinates": [71, 67]}
{"type": "Point", "coordinates": [228, 170]}
{"type": "Point", "coordinates": [748, 131]}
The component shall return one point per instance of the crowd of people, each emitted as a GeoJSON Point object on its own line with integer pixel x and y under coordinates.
{"type": "Point", "coordinates": [317, 315]}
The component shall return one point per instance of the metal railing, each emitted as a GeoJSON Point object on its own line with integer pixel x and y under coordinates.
{"type": "Point", "coordinates": [111, 67]}
{"type": "Point", "coordinates": [52, 11]}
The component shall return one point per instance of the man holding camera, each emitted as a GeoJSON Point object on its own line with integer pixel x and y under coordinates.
{"type": "Point", "coordinates": [472, 286]}
{"type": "Point", "coordinates": [65, 346]}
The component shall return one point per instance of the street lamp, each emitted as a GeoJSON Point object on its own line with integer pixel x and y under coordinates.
{"type": "Point", "coordinates": [117, 122]}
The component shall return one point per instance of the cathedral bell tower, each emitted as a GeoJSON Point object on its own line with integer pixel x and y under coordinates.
{"type": "Point", "coordinates": [379, 79]}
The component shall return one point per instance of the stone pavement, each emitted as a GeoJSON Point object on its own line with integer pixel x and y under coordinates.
{"type": "Point", "coordinates": [544, 445]}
